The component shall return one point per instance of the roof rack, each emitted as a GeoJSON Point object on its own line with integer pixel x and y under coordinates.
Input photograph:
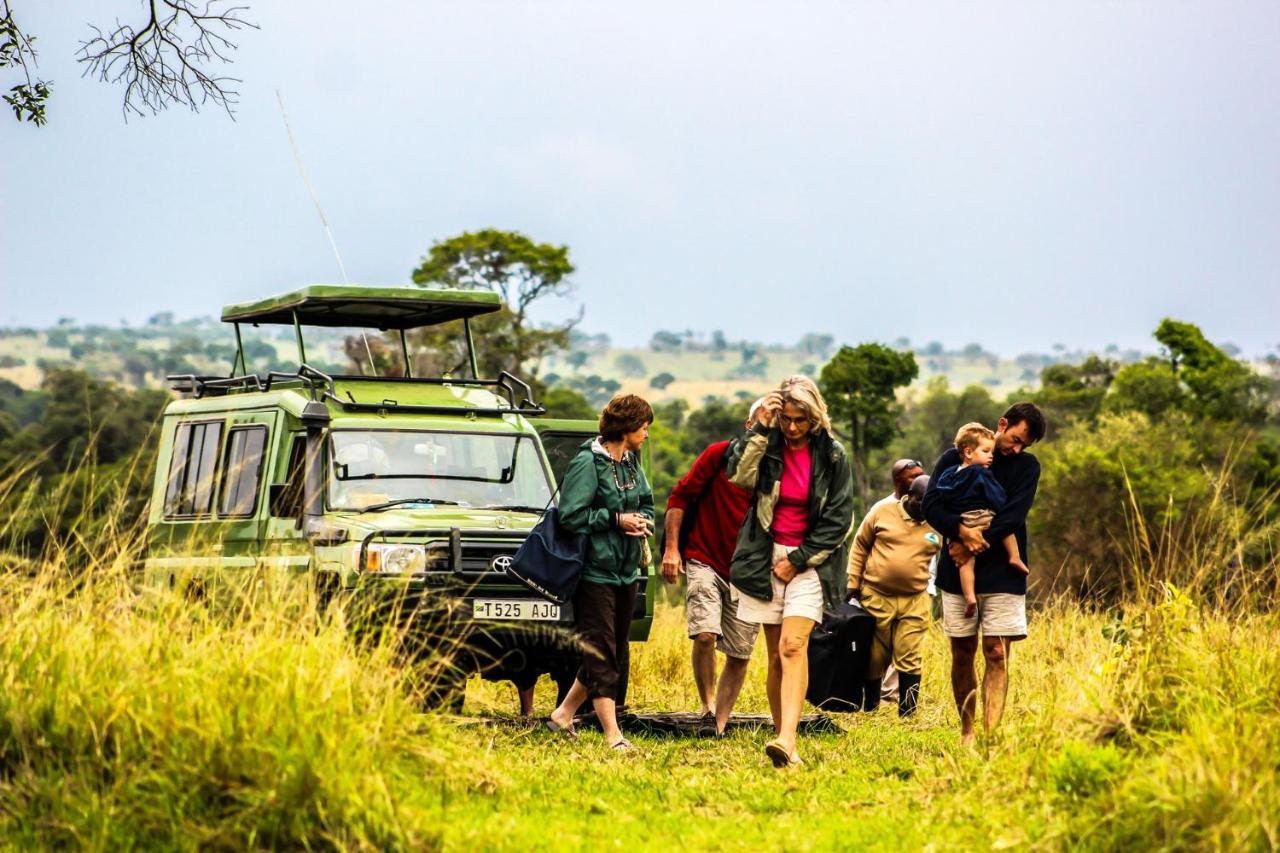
{"type": "Point", "coordinates": [321, 385]}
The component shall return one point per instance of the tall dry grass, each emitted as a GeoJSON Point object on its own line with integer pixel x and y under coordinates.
{"type": "Point", "coordinates": [137, 718]}
{"type": "Point", "coordinates": [132, 718]}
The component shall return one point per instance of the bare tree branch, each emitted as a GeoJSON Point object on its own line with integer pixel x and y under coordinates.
{"type": "Point", "coordinates": [168, 59]}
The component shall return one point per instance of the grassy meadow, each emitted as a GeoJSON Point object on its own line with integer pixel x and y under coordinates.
{"type": "Point", "coordinates": [133, 720]}
{"type": "Point", "coordinates": [137, 719]}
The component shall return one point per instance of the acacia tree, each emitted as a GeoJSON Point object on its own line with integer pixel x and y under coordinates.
{"type": "Point", "coordinates": [521, 272]}
{"type": "Point", "coordinates": [859, 385]}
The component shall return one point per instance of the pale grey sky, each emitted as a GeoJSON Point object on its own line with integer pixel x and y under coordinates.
{"type": "Point", "coordinates": [1017, 174]}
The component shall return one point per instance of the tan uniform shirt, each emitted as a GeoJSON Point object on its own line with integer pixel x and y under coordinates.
{"type": "Point", "coordinates": [891, 551]}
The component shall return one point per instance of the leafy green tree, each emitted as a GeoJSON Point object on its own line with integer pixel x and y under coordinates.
{"type": "Point", "coordinates": [664, 341]}
{"type": "Point", "coordinates": [929, 424]}
{"type": "Point", "coordinates": [816, 345]}
{"type": "Point", "coordinates": [859, 384]}
{"type": "Point", "coordinates": [1097, 482]}
{"type": "Point", "coordinates": [595, 388]}
{"type": "Point", "coordinates": [1220, 387]}
{"type": "Point", "coordinates": [629, 365]}
{"type": "Point", "coordinates": [521, 272]}
{"type": "Point", "coordinates": [1150, 387]}
{"type": "Point", "coordinates": [1073, 393]}
{"type": "Point", "coordinates": [661, 381]}
{"type": "Point", "coordinates": [567, 403]}
{"type": "Point", "coordinates": [577, 359]}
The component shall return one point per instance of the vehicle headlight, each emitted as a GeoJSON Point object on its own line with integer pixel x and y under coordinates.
{"type": "Point", "coordinates": [395, 559]}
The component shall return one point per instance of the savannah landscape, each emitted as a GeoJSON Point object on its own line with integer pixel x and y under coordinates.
{"type": "Point", "coordinates": [931, 215]}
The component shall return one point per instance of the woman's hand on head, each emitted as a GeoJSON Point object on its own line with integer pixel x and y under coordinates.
{"type": "Point", "coordinates": [769, 408]}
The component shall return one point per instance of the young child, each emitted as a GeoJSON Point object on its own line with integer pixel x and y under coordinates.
{"type": "Point", "coordinates": [970, 490]}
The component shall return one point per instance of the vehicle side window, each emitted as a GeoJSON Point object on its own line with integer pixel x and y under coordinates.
{"type": "Point", "coordinates": [560, 448]}
{"type": "Point", "coordinates": [191, 470]}
{"type": "Point", "coordinates": [287, 502]}
{"type": "Point", "coordinates": [242, 470]}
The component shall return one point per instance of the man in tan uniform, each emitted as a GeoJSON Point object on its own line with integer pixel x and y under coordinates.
{"type": "Point", "coordinates": [889, 575]}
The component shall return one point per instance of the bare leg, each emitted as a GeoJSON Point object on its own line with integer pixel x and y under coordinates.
{"type": "Point", "coordinates": [704, 671]}
{"type": "Point", "coordinates": [607, 714]}
{"type": "Point", "coordinates": [964, 684]}
{"type": "Point", "coordinates": [1015, 556]}
{"type": "Point", "coordinates": [995, 681]}
{"type": "Point", "coordinates": [731, 679]}
{"type": "Point", "coordinates": [568, 709]}
{"type": "Point", "coordinates": [966, 587]}
{"type": "Point", "coordinates": [773, 682]}
{"type": "Point", "coordinates": [526, 701]}
{"type": "Point", "coordinates": [793, 650]}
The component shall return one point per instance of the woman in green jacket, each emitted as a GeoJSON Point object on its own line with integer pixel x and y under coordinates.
{"type": "Point", "coordinates": [606, 496]}
{"type": "Point", "coordinates": [790, 561]}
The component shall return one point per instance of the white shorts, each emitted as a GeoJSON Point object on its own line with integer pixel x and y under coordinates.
{"type": "Point", "coordinates": [801, 597]}
{"type": "Point", "coordinates": [1002, 614]}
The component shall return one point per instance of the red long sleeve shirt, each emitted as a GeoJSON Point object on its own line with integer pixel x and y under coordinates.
{"type": "Point", "coordinates": [721, 508]}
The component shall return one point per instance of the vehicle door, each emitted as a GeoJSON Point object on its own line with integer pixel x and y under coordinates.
{"type": "Point", "coordinates": [561, 440]}
{"type": "Point", "coordinates": [287, 551]}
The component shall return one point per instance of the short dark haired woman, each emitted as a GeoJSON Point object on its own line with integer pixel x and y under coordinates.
{"type": "Point", "coordinates": [606, 496]}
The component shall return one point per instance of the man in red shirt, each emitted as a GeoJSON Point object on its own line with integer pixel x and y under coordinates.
{"type": "Point", "coordinates": [704, 514]}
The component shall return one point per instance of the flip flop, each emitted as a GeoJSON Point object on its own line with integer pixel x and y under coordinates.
{"type": "Point", "coordinates": [624, 745]}
{"type": "Point", "coordinates": [556, 729]}
{"type": "Point", "coordinates": [780, 755]}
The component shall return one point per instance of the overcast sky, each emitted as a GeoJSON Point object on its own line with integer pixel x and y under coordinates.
{"type": "Point", "coordinates": [1017, 174]}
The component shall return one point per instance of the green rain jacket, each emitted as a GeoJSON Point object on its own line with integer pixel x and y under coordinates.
{"type": "Point", "coordinates": [755, 463]}
{"type": "Point", "coordinates": [590, 500]}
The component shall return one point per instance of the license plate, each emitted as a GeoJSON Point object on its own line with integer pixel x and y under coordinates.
{"type": "Point", "coordinates": [491, 608]}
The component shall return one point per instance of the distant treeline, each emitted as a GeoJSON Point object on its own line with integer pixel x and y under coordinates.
{"type": "Point", "coordinates": [1139, 456]}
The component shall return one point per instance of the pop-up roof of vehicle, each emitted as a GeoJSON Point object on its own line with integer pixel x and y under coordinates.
{"type": "Point", "coordinates": [368, 307]}
{"type": "Point", "coordinates": [397, 308]}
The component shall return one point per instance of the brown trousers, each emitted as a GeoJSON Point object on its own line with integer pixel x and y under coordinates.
{"type": "Point", "coordinates": [603, 613]}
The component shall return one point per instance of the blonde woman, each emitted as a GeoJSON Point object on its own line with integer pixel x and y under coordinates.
{"type": "Point", "coordinates": [790, 560]}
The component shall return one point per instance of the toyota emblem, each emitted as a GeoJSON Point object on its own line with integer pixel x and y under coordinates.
{"type": "Point", "coordinates": [501, 563]}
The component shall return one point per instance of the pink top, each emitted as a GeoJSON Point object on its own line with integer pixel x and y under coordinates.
{"type": "Point", "coordinates": [791, 517]}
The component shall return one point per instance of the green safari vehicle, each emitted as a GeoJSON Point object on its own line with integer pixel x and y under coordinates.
{"type": "Point", "coordinates": [416, 488]}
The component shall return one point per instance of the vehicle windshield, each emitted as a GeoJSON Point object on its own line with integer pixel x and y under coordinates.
{"type": "Point", "coordinates": [369, 468]}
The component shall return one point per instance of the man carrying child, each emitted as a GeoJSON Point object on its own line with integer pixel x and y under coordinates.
{"type": "Point", "coordinates": [1000, 588]}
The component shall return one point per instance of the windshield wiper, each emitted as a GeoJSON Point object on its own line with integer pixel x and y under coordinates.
{"type": "Point", "coordinates": [398, 501]}
{"type": "Point", "coordinates": [518, 508]}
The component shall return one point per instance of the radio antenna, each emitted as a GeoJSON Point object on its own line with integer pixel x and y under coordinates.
{"type": "Point", "coordinates": [302, 169]}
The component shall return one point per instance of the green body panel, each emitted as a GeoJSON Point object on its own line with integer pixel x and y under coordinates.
{"type": "Point", "coordinates": [404, 307]}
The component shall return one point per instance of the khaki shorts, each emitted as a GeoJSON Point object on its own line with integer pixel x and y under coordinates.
{"type": "Point", "coordinates": [1001, 614]}
{"type": "Point", "coordinates": [711, 610]}
{"type": "Point", "coordinates": [980, 518]}
{"type": "Point", "coordinates": [801, 597]}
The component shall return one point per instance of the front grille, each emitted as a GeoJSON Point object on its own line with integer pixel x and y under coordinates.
{"type": "Point", "coordinates": [478, 558]}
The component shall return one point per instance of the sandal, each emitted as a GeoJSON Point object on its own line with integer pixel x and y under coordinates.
{"type": "Point", "coordinates": [556, 729]}
{"type": "Point", "coordinates": [624, 745]}
{"type": "Point", "coordinates": [780, 755]}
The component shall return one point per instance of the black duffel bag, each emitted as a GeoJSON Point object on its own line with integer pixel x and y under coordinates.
{"type": "Point", "coordinates": [839, 650]}
{"type": "Point", "coordinates": [549, 561]}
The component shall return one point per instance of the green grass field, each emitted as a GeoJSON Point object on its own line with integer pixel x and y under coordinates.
{"type": "Point", "coordinates": [142, 721]}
